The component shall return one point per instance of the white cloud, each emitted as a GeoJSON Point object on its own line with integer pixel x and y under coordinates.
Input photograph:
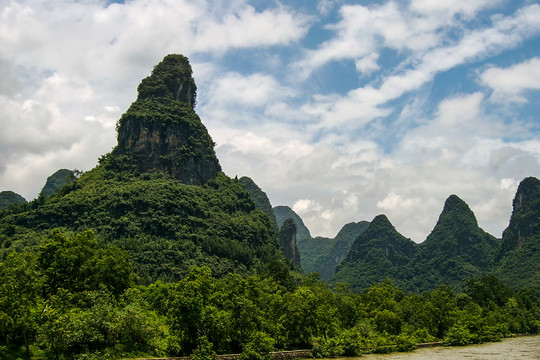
{"type": "Point", "coordinates": [467, 8]}
{"type": "Point", "coordinates": [362, 105]}
{"type": "Point", "coordinates": [304, 206]}
{"type": "Point", "coordinates": [510, 83]}
{"type": "Point", "coordinates": [233, 89]}
{"type": "Point", "coordinates": [247, 28]}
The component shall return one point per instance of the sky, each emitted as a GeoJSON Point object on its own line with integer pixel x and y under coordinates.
{"type": "Point", "coordinates": [340, 109]}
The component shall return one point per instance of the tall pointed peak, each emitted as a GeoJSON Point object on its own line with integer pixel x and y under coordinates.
{"type": "Point", "coordinates": [161, 132]}
{"type": "Point", "coordinates": [525, 214]}
{"type": "Point", "coordinates": [381, 221]}
{"type": "Point", "coordinates": [456, 210]}
{"type": "Point", "coordinates": [455, 203]}
{"type": "Point", "coordinates": [528, 192]}
{"type": "Point", "coordinates": [170, 79]}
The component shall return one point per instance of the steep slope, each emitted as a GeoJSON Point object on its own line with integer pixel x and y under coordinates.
{"type": "Point", "coordinates": [8, 198]}
{"type": "Point", "coordinates": [283, 213]}
{"type": "Point", "coordinates": [326, 263]}
{"type": "Point", "coordinates": [519, 256]}
{"type": "Point", "coordinates": [310, 248]}
{"type": "Point", "coordinates": [287, 243]}
{"type": "Point", "coordinates": [379, 252]}
{"type": "Point", "coordinates": [320, 254]}
{"type": "Point", "coordinates": [58, 180]}
{"type": "Point", "coordinates": [456, 249]}
{"type": "Point", "coordinates": [161, 132]}
{"type": "Point", "coordinates": [259, 198]}
{"type": "Point", "coordinates": [159, 194]}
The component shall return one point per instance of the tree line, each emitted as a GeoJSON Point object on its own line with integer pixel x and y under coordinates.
{"type": "Point", "coordinates": [72, 299]}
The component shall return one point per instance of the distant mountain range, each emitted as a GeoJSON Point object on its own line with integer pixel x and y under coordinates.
{"type": "Point", "coordinates": [456, 250]}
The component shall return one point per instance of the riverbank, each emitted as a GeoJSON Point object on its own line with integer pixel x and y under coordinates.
{"type": "Point", "coordinates": [521, 347]}
{"type": "Point", "coordinates": [306, 353]}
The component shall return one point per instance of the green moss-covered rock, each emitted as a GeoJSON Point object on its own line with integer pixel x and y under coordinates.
{"type": "Point", "coordinates": [161, 131]}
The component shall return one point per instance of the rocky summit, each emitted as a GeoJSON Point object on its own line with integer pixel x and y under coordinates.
{"type": "Point", "coordinates": [161, 131]}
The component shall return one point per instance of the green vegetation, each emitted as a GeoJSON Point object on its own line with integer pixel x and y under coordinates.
{"type": "Point", "coordinates": [320, 254]}
{"type": "Point", "coordinates": [379, 252]}
{"type": "Point", "coordinates": [58, 180]}
{"type": "Point", "coordinates": [166, 226]}
{"type": "Point", "coordinates": [456, 250]}
{"type": "Point", "coordinates": [259, 198]}
{"type": "Point", "coordinates": [9, 198]}
{"type": "Point", "coordinates": [519, 256]}
{"type": "Point", "coordinates": [59, 303]}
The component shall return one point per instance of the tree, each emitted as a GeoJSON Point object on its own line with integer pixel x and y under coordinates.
{"type": "Point", "coordinates": [76, 263]}
{"type": "Point", "coordinates": [20, 284]}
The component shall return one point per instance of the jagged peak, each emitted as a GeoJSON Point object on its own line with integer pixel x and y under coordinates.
{"type": "Point", "coordinates": [381, 221]}
{"type": "Point", "coordinates": [161, 132]}
{"type": "Point", "coordinates": [528, 187]}
{"type": "Point", "coordinates": [171, 79]}
{"type": "Point", "coordinates": [453, 206]}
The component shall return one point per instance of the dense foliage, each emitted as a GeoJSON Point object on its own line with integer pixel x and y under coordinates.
{"type": "Point", "coordinates": [259, 198]}
{"type": "Point", "coordinates": [9, 198]}
{"type": "Point", "coordinates": [166, 226]}
{"type": "Point", "coordinates": [457, 249]}
{"type": "Point", "coordinates": [58, 302]}
{"type": "Point", "coordinates": [58, 180]}
{"type": "Point", "coordinates": [519, 256]}
{"type": "Point", "coordinates": [379, 252]}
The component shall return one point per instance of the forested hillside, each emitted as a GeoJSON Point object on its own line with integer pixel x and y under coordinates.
{"type": "Point", "coordinates": [159, 195]}
{"type": "Point", "coordinates": [320, 254]}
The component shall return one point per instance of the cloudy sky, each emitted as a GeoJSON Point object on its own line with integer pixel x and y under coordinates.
{"type": "Point", "coordinates": [339, 109]}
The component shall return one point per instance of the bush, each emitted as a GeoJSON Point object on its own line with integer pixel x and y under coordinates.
{"type": "Point", "coordinates": [204, 350]}
{"type": "Point", "coordinates": [258, 348]}
{"type": "Point", "coordinates": [328, 347]}
{"type": "Point", "coordinates": [458, 335]}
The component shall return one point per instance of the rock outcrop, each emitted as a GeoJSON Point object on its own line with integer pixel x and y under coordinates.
{"type": "Point", "coordinates": [287, 242]}
{"type": "Point", "coordinates": [518, 262]}
{"type": "Point", "coordinates": [524, 222]}
{"type": "Point", "coordinates": [161, 131]}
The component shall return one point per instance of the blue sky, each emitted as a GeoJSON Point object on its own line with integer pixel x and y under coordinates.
{"type": "Point", "coordinates": [339, 109]}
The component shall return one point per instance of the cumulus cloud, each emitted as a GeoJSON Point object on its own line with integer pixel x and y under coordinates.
{"type": "Point", "coordinates": [510, 83]}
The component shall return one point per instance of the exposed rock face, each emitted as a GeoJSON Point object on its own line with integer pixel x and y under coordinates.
{"type": "Point", "coordinates": [518, 262]}
{"type": "Point", "coordinates": [283, 213]}
{"type": "Point", "coordinates": [161, 131]}
{"type": "Point", "coordinates": [524, 222]}
{"type": "Point", "coordinates": [287, 242]}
